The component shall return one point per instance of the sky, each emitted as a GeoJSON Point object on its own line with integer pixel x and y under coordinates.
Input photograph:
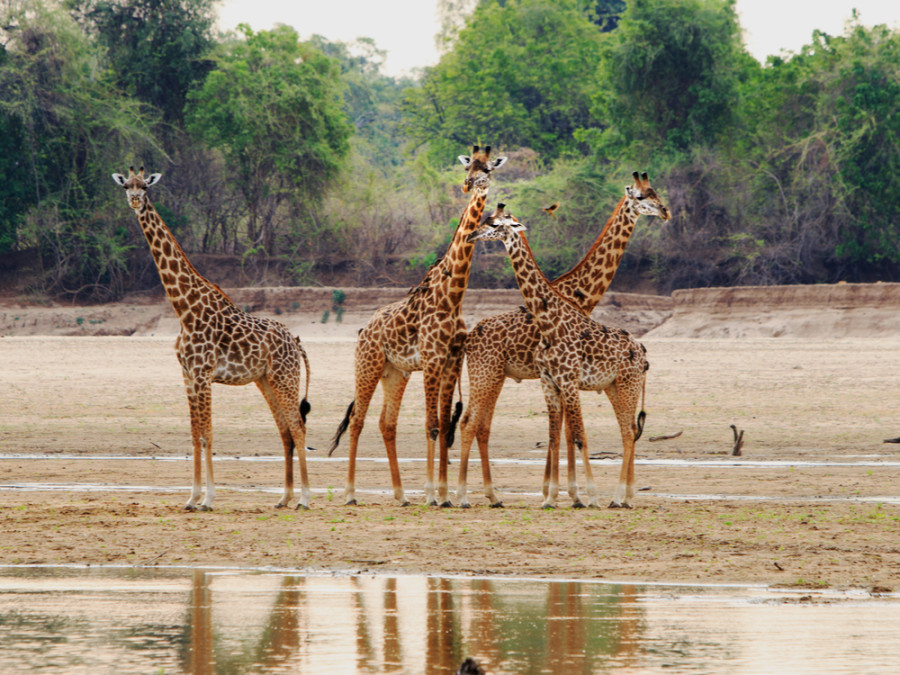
{"type": "Point", "coordinates": [406, 28]}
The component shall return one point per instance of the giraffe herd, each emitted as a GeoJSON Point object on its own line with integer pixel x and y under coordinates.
{"type": "Point", "coordinates": [551, 338]}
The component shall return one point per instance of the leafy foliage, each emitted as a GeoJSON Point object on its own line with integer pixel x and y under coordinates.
{"type": "Point", "coordinates": [156, 48]}
{"type": "Point", "coordinates": [289, 144]}
{"type": "Point", "coordinates": [302, 157]}
{"type": "Point", "coordinates": [66, 126]}
{"type": "Point", "coordinates": [371, 100]}
{"type": "Point", "coordinates": [515, 77]}
{"type": "Point", "coordinates": [669, 73]}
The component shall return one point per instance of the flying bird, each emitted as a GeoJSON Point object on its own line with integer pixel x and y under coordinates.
{"type": "Point", "coordinates": [551, 210]}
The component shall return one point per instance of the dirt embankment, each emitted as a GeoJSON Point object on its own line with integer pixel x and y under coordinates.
{"type": "Point", "coordinates": [306, 310]}
{"type": "Point", "coordinates": [826, 311]}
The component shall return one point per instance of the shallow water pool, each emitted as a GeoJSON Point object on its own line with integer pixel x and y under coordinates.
{"type": "Point", "coordinates": [180, 620]}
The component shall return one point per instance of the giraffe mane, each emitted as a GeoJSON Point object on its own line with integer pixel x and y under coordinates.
{"type": "Point", "coordinates": [601, 238]}
{"type": "Point", "coordinates": [187, 261]}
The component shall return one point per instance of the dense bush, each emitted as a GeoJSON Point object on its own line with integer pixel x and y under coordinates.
{"type": "Point", "coordinates": [302, 160]}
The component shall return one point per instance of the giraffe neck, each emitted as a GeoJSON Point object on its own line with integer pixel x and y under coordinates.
{"type": "Point", "coordinates": [541, 299]}
{"type": "Point", "coordinates": [585, 284]}
{"type": "Point", "coordinates": [456, 264]}
{"type": "Point", "coordinates": [184, 285]}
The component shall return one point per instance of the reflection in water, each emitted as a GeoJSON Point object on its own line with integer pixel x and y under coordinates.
{"type": "Point", "coordinates": [219, 621]}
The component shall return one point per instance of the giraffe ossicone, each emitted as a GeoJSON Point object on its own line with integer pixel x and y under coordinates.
{"type": "Point", "coordinates": [219, 343]}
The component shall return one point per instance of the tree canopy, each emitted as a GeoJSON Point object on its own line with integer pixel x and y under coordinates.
{"type": "Point", "coordinates": [301, 156]}
{"type": "Point", "coordinates": [156, 48]}
{"type": "Point", "coordinates": [669, 75]}
{"type": "Point", "coordinates": [273, 106]}
{"type": "Point", "coordinates": [516, 76]}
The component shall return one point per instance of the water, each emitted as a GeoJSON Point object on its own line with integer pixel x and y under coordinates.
{"type": "Point", "coordinates": [727, 464]}
{"type": "Point", "coordinates": [178, 620]}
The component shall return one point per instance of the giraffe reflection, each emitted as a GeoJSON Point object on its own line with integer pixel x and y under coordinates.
{"type": "Point", "coordinates": [380, 624]}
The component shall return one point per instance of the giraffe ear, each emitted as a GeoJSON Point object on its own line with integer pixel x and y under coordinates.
{"type": "Point", "coordinates": [519, 227]}
{"type": "Point", "coordinates": [466, 160]}
{"type": "Point", "coordinates": [497, 163]}
{"type": "Point", "coordinates": [153, 179]}
{"type": "Point", "coordinates": [119, 178]}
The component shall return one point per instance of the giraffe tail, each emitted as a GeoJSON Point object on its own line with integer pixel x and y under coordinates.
{"type": "Point", "coordinates": [642, 416]}
{"type": "Point", "coordinates": [342, 427]}
{"type": "Point", "coordinates": [451, 431]}
{"type": "Point", "coordinates": [640, 424]}
{"type": "Point", "coordinates": [457, 412]}
{"type": "Point", "coordinates": [305, 407]}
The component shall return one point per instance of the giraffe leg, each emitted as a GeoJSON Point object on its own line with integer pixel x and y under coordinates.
{"type": "Point", "coordinates": [288, 397]}
{"type": "Point", "coordinates": [551, 465]}
{"type": "Point", "coordinates": [571, 472]}
{"type": "Point", "coordinates": [577, 439]}
{"type": "Point", "coordinates": [553, 397]}
{"type": "Point", "coordinates": [370, 363]}
{"type": "Point", "coordinates": [432, 371]}
{"type": "Point", "coordinates": [280, 402]}
{"type": "Point", "coordinates": [393, 384]}
{"type": "Point", "coordinates": [486, 379]}
{"type": "Point", "coordinates": [624, 401]}
{"type": "Point", "coordinates": [199, 393]}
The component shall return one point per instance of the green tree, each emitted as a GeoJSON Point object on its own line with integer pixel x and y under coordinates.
{"type": "Point", "coordinates": [157, 48]}
{"type": "Point", "coordinates": [372, 100]}
{"type": "Point", "coordinates": [606, 13]}
{"type": "Point", "coordinates": [273, 106]}
{"type": "Point", "coordinates": [833, 110]}
{"type": "Point", "coordinates": [16, 194]}
{"type": "Point", "coordinates": [66, 126]}
{"type": "Point", "coordinates": [670, 74]}
{"type": "Point", "coordinates": [516, 76]}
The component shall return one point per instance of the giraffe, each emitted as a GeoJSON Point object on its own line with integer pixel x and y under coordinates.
{"type": "Point", "coordinates": [220, 343]}
{"type": "Point", "coordinates": [575, 352]}
{"type": "Point", "coordinates": [503, 345]}
{"type": "Point", "coordinates": [422, 332]}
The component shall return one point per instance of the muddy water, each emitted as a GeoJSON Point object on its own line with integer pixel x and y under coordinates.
{"type": "Point", "coordinates": [129, 620]}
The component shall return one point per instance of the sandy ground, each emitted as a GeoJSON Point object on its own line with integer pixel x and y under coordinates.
{"type": "Point", "coordinates": [812, 502]}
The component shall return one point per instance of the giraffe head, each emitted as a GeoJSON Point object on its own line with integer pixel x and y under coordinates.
{"type": "Point", "coordinates": [136, 186]}
{"type": "Point", "coordinates": [646, 200]}
{"type": "Point", "coordinates": [479, 167]}
{"type": "Point", "coordinates": [499, 226]}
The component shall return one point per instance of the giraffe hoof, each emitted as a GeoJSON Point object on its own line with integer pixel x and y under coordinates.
{"type": "Point", "coordinates": [578, 505]}
{"type": "Point", "coordinates": [302, 507]}
{"type": "Point", "coordinates": [405, 502]}
{"type": "Point", "coordinates": [204, 507]}
{"type": "Point", "coordinates": [497, 505]}
{"type": "Point", "coordinates": [279, 505]}
{"type": "Point", "coordinates": [447, 504]}
{"type": "Point", "coordinates": [465, 505]}
{"type": "Point", "coordinates": [190, 507]}
{"type": "Point", "coordinates": [549, 507]}
{"type": "Point", "coordinates": [433, 502]}
{"type": "Point", "coordinates": [614, 505]}
{"type": "Point", "coordinates": [350, 502]}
